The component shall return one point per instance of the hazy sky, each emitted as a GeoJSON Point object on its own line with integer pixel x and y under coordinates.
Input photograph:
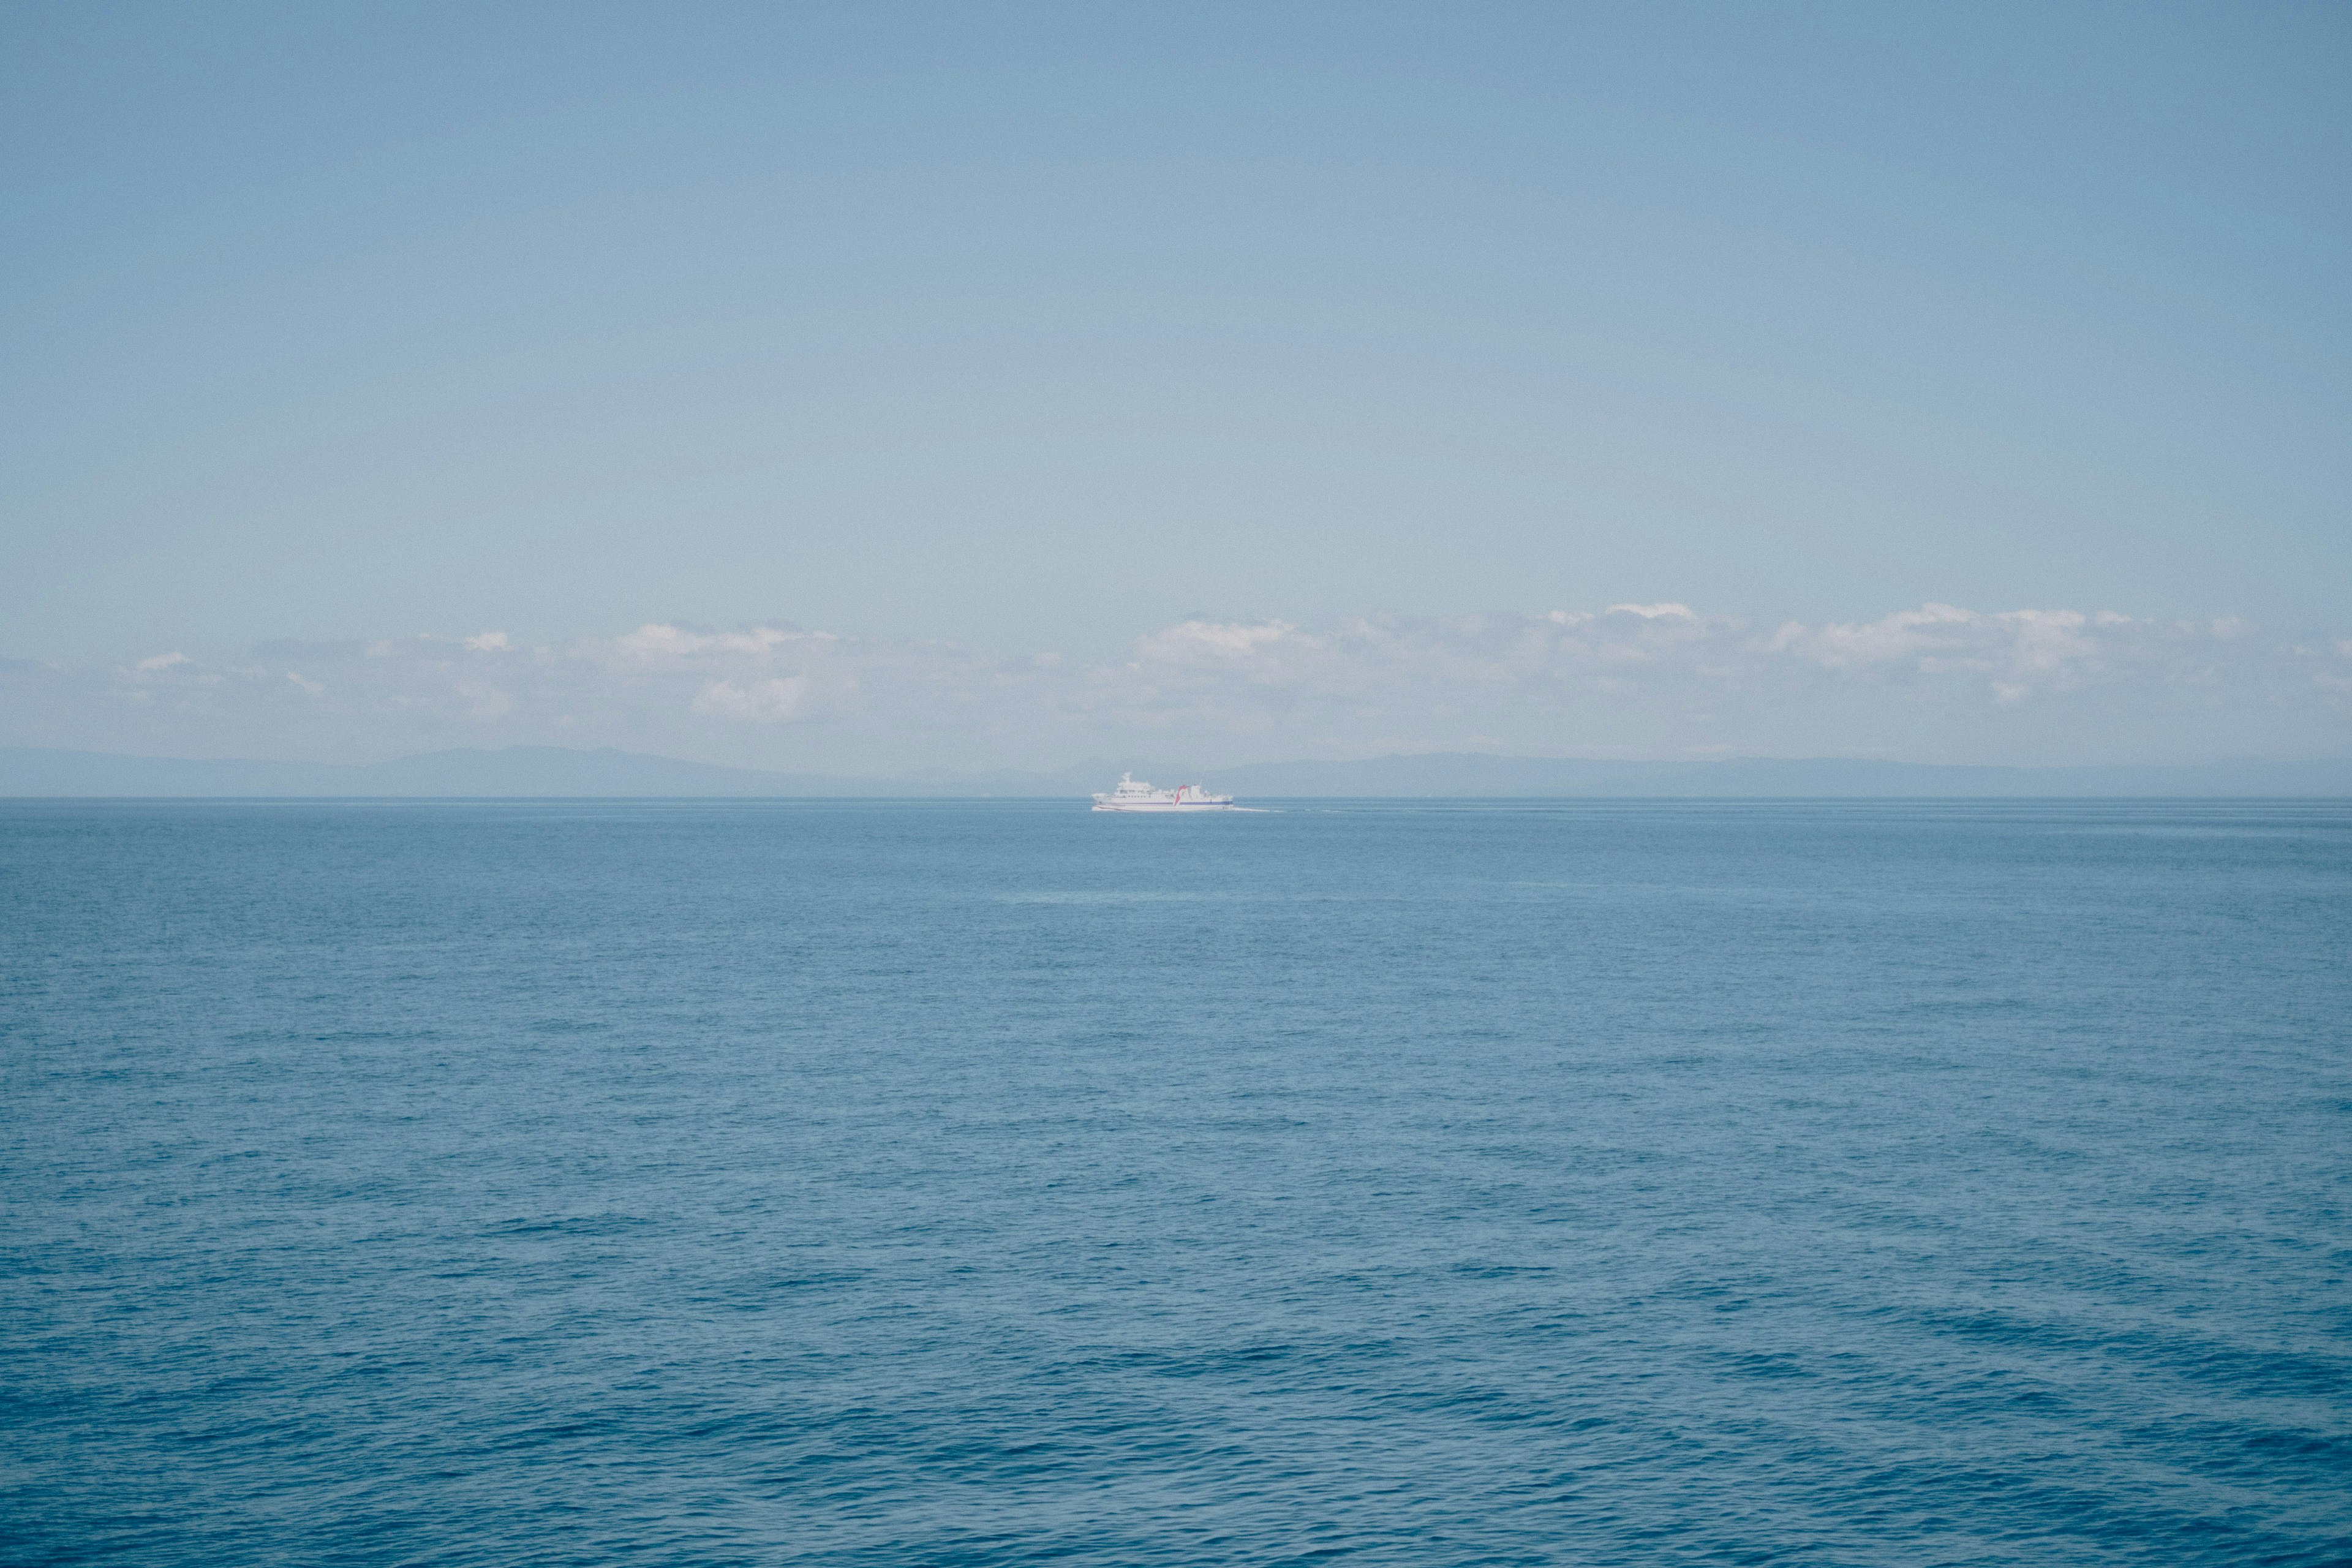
{"type": "Point", "coordinates": [969, 335]}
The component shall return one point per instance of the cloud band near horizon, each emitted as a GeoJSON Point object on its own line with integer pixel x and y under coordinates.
{"type": "Point", "coordinates": [1936, 683]}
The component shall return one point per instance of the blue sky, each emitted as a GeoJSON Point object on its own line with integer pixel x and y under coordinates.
{"type": "Point", "coordinates": [987, 333]}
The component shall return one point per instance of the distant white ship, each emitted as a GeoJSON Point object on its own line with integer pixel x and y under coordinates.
{"type": "Point", "coordinates": [1133, 795]}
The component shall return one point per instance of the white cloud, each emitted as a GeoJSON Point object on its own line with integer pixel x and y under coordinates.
{"type": "Point", "coordinates": [484, 703]}
{"type": "Point", "coordinates": [1905, 635]}
{"type": "Point", "coordinates": [658, 646]}
{"type": "Point", "coordinates": [1937, 682]}
{"type": "Point", "coordinates": [765, 701]}
{"type": "Point", "coordinates": [2015, 652]}
{"type": "Point", "coordinates": [488, 642]}
{"type": "Point", "coordinates": [1221, 641]}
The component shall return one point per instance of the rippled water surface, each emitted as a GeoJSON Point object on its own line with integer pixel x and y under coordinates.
{"type": "Point", "coordinates": [994, 1182]}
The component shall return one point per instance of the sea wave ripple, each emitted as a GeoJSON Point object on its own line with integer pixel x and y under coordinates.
{"type": "Point", "coordinates": [1000, 1182]}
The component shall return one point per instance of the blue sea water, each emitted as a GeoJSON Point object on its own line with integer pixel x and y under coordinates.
{"type": "Point", "coordinates": [999, 1183]}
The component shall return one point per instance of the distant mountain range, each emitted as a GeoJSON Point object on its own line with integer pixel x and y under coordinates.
{"type": "Point", "coordinates": [526, 772]}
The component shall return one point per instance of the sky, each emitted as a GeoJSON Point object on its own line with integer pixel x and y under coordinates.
{"type": "Point", "coordinates": [869, 386]}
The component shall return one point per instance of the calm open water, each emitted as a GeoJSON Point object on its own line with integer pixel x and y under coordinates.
{"type": "Point", "coordinates": [994, 1182]}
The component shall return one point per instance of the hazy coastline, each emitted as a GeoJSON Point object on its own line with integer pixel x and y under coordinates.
{"type": "Point", "coordinates": [543, 771]}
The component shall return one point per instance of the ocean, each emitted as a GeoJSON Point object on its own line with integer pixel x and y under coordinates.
{"type": "Point", "coordinates": [994, 1183]}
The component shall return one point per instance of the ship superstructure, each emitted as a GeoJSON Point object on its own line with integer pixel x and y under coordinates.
{"type": "Point", "coordinates": [1133, 795]}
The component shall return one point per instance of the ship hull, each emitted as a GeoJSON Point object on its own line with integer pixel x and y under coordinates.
{"type": "Point", "coordinates": [1170, 805]}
